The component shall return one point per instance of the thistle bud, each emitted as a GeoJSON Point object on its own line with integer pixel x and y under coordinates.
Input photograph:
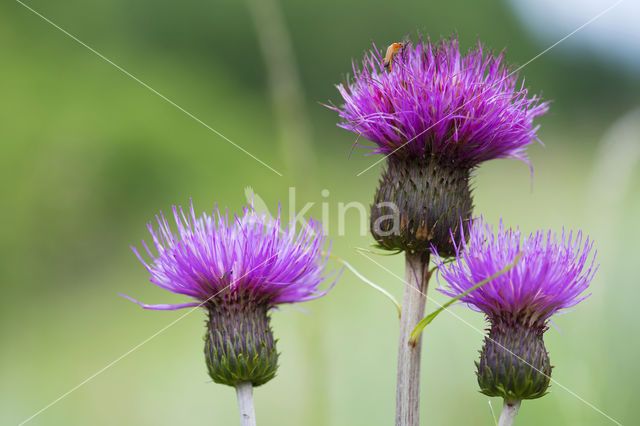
{"type": "Point", "coordinates": [420, 202]}
{"type": "Point", "coordinates": [239, 344]}
{"type": "Point", "coordinates": [514, 363]}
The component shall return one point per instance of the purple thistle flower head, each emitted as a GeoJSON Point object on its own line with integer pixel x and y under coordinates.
{"type": "Point", "coordinates": [238, 269]}
{"type": "Point", "coordinates": [552, 273]}
{"type": "Point", "coordinates": [435, 101]}
{"type": "Point", "coordinates": [250, 257]}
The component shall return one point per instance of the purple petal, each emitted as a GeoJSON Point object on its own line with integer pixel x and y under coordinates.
{"type": "Point", "coordinates": [551, 276]}
{"type": "Point", "coordinates": [251, 254]}
{"type": "Point", "coordinates": [464, 108]}
{"type": "Point", "coordinates": [162, 306]}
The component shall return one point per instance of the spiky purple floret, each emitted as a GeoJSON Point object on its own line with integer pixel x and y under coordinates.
{"type": "Point", "coordinates": [249, 257]}
{"type": "Point", "coordinates": [466, 109]}
{"type": "Point", "coordinates": [552, 273]}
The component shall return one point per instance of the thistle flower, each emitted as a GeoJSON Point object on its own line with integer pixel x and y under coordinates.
{"type": "Point", "coordinates": [237, 269]}
{"type": "Point", "coordinates": [551, 276]}
{"type": "Point", "coordinates": [436, 115]}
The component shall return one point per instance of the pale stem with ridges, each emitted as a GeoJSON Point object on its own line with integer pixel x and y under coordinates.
{"type": "Point", "coordinates": [509, 412]}
{"type": "Point", "coordinates": [413, 305]}
{"type": "Point", "coordinates": [245, 404]}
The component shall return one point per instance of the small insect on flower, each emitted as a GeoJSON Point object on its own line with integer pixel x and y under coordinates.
{"type": "Point", "coordinates": [392, 51]}
{"type": "Point", "coordinates": [436, 118]}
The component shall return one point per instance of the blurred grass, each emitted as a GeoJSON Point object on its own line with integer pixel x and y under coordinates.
{"type": "Point", "coordinates": [89, 157]}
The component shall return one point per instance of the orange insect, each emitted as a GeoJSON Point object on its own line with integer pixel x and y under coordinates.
{"type": "Point", "coordinates": [392, 51]}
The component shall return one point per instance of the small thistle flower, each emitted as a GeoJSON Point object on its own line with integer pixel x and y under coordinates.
{"type": "Point", "coordinates": [436, 116]}
{"type": "Point", "coordinates": [238, 270]}
{"type": "Point", "coordinates": [552, 275]}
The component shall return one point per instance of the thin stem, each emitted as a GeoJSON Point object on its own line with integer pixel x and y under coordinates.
{"type": "Point", "coordinates": [245, 404]}
{"type": "Point", "coordinates": [285, 86]}
{"type": "Point", "coordinates": [509, 411]}
{"type": "Point", "coordinates": [413, 304]}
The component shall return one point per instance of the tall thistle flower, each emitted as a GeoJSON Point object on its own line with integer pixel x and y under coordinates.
{"type": "Point", "coordinates": [435, 116]}
{"type": "Point", "coordinates": [552, 275]}
{"type": "Point", "coordinates": [238, 269]}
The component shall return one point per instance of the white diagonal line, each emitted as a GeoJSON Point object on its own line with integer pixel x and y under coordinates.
{"type": "Point", "coordinates": [145, 85]}
{"type": "Point", "coordinates": [497, 343]}
{"type": "Point", "coordinates": [136, 347]}
{"type": "Point", "coordinates": [590, 21]}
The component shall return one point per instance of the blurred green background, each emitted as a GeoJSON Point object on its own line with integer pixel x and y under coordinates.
{"type": "Point", "coordinates": [90, 156]}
